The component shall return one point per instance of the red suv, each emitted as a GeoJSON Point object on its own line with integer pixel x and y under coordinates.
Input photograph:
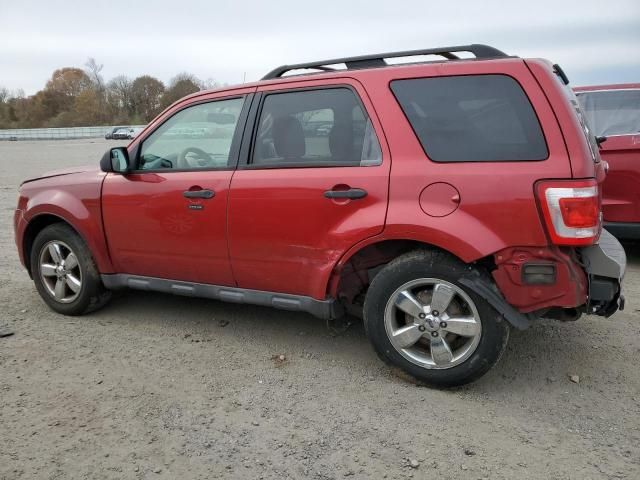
{"type": "Point", "coordinates": [613, 113]}
{"type": "Point", "coordinates": [443, 201]}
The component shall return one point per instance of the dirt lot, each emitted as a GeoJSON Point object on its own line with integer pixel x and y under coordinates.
{"type": "Point", "coordinates": [156, 386]}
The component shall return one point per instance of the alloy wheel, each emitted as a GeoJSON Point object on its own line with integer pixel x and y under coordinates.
{"type": "Point", "coordinates": [60, 271]}
{"type": "Point", "coordinates": [432, 323]}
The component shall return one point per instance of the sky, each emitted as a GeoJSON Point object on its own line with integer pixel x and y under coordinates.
{"type": "Point", "coordinates": [595, 41]}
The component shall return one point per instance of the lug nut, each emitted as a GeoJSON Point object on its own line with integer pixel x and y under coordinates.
{"type": "Point", "coordinates": [435, 313]}
{"type": "Point", "coordinates": [422, 316]}
{"type": "Point", "coordinates": [434, 334]}
{"type": "Point", "coordinates": [443, 324]}
{"type": "Point", "coordinates": [421, 328]}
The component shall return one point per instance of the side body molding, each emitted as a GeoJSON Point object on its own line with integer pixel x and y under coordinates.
{"type": "Point", "coordinates": [326, 309]}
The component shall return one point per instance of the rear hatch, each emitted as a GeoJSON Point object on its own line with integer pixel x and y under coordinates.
{"type": "Point", "coordinates": [571, 208]}
{"type": "Point", "coordinates": [582, 147]}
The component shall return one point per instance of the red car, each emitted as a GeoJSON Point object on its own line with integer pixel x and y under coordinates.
{"type": "Point", "coordinates": [613, 112]}
{"type": "Point", "coordinates": [449, 201]}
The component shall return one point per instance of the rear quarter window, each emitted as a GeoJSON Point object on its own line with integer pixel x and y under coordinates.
{"type": "Point", "coordinates": [472, 118]}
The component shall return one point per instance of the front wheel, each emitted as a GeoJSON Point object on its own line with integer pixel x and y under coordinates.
{"type": "Point", "coordinates": [420, 319]}
{"type": "Point", "coordinates": [64, 272]}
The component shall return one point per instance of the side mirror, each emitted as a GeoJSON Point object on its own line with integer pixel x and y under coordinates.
{"type": "Point", "coordinates": [115, 160]}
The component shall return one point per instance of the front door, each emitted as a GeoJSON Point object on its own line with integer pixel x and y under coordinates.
{"type": "Point", "coordinates": [167, 218]}
{"type": "Point", "coordinates": [314, 184]}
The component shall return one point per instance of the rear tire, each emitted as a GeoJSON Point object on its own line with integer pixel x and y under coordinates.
{"type": "Point", "coordinates": [64, 272]}
{"type": "Point", "coordinates": [446, 348]}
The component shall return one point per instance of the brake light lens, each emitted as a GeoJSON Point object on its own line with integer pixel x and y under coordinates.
{"type": "Point", "coordinates": [579, 212]}
{"type": "Point", "coordinates": [571, 211]}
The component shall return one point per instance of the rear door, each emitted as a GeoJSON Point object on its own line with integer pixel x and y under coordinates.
{"type": "Point", "coordinates": [314, 182]}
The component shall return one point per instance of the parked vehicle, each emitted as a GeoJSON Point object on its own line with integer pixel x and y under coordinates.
{"type": "Point", "coordinates": [110, 132]}
{"type": "Point", "coordinates": [613, 112]}
{"type": "Point", "coordinates": [122, 133]}
{"type": "Point", "coordinates": [134, 132]}
{"type": "Point", "coordinates": [451, 201]}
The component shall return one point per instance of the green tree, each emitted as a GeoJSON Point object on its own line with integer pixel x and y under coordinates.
{"type": "Point", "coordinates": [146, 92]}
{"type": "Point", "coordinates": [180, 86]}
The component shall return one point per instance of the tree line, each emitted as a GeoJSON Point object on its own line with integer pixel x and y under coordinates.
{"type": "Point", "coordinates": [76, 97]}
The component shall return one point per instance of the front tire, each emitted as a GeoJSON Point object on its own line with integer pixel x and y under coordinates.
{"type": "Point", "coordinates": [421, 319]}
{"type": "Point", "coordinates": [64, 272]}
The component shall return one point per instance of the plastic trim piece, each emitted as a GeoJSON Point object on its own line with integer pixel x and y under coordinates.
{"type": "Point", "coordinates": [325, 309]}
{"type": "Point", "coordinates": [607, 258]}
{"type": "Point", "coordinates": [487, 291]}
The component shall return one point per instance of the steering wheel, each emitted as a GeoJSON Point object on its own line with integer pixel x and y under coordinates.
{"type": "Point", "coordinates": [193, 157]}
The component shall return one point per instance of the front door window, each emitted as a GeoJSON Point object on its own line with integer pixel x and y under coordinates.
{"type": "Point", "coordinates": [198, 137]}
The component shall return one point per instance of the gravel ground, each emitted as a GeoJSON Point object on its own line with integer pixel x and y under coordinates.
{"type": "Point", "coordinates": [156, 386]}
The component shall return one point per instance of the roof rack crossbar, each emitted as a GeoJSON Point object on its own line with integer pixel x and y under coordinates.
{"type": "Point", "coordinates": [378, 60]}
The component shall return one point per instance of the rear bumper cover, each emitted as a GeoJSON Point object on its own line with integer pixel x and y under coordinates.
{"type": "Point", "coordinates": [569, 290]}
{"type": "Point", "coordinates": [605, 264]}
{"type": "Point", "coordinates": [587, 280]}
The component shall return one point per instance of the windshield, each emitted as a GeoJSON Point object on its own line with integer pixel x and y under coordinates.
{"type": "Point", "coordinates": [612, 112]}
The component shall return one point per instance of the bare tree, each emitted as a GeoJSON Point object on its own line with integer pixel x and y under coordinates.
{"type": "Point", "coordinates": [120, 94]}
{"type": "Point", "coordinates": [93, 72]}
{"type": "Point", "coordinates": [210, 84]}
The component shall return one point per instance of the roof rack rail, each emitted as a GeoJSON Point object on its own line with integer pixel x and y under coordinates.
{"type": "Point", "coordinates": [377, 60]}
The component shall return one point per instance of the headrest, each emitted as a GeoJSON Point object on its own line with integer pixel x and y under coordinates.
{"type": "Point", "coordinates": [288, 137]}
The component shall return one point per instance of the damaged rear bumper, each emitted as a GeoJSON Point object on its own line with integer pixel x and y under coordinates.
{"type": "Point", "coordinates": [605, 264]}
{"type": "Point", "coordinates": [578, 281]}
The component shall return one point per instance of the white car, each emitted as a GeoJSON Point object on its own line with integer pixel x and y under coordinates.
{"type": "Point", "coordinates": [134, 132]}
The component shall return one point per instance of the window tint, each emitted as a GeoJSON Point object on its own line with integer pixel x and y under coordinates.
{"type": "Point", "coordinates": [315, 128]}
{"type": "Point", "coordinates": [474, 118]}
{"type": "Point", "coordinates": [612, 112]}
{"type": "Point", "coordinates": [196, 137]}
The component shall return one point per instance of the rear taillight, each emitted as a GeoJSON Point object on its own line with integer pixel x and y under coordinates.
{"type": "Point", "coordinates": [571, 210]}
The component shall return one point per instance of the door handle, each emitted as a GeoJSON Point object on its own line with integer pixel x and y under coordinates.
{"type": "Point", "coordinates": [199, 194]}
{"type": "Point", "coordinates": [351, 194]}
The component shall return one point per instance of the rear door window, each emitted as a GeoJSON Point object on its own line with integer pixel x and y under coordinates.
{"type": "Point", "coordinates": [472, 118]}
{"type": "Point", "coordinates": [315, 128]}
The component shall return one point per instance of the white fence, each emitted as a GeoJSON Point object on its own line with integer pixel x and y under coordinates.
{"type": "Point", "coordinates": [58, 133]}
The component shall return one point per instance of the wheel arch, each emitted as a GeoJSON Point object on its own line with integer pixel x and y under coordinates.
{"type": "Point", "coordinates": [359, 263]}
{"type": "Point", "coordinates": [91, 234]}
{"type": "Point", "coordinates": [34, 227]}
{"type": "Point", "coordinates": [485, 242]}
{"type": "Point", "coordinates": [359, 266]}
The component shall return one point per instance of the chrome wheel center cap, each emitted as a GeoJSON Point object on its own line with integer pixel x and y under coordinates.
{"type": "Point", "coordinates": [431, 323]}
